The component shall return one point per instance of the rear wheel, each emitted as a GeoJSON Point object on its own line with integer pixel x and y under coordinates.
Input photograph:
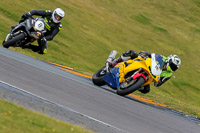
{"type": "Point", "coordinates": [126, 88]}
{"type": "Point", "coordinates": [11, 42]}
{"type": "Point", "coordinates": [98, 77]}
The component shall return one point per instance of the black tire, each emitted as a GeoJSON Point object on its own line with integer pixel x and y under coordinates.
{"type": "Point", "coordinates": [125, 91]}
{"type": "Point", "coordinates": [12, 41]}
{"type": "Point", "coordinates": [97, 78]}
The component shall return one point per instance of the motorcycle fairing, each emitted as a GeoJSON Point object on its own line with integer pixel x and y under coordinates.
{"type": "Point", "coordinates": [112, 78]}
{"type": "Point", "coordinates": [117, 74]}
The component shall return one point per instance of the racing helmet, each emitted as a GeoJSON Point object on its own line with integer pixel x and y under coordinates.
{"type": "Point", "coordinates": [174, 62]}
{"type": "Point", "coordinates": [57, 15]}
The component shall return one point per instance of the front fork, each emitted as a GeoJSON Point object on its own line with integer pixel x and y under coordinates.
{"type": "Point", "coordinates": [139, 73]}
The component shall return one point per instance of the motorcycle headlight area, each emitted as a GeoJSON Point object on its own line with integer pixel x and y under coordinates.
{"type": "Point", "coordinates": [157, 63]}
{"type": "Point", "coordinates": [39, 25]}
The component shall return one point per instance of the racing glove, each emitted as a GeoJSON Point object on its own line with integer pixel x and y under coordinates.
{"type": "Point", "coordinates": [26, 15]}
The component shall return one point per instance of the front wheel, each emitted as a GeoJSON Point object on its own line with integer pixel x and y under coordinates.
{"type": "Point", "coordinates": [98, 77]}
{"type": "Point", "coordinates": [11, 42]}
{"type": "Point", "coordinates": [127, 88]}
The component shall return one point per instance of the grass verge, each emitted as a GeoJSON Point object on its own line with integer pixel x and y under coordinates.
{"type": "Point", "coordinates": [91, 29]}
{"type": "Point", "coordinates": [16, 119]}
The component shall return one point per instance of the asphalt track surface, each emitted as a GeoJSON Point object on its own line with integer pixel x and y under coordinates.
{"type": "Point", "coordinates": [81, 95]}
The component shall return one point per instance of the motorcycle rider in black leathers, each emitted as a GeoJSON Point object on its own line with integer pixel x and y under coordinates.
{"type": "Point", "coordinates": [52, 24]}
{"type": "Point", "coordinates": [172, 63]}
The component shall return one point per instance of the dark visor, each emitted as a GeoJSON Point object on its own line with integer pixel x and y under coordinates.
{"type": "Point", "coordinates": [172, 65]}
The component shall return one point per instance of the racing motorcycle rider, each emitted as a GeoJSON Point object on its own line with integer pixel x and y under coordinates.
{"type": "Point", "coordinates": [171, 64]}
{"type": "Point", "coordinates": [52, 24]}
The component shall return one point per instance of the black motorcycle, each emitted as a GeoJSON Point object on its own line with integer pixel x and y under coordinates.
{"type": "Point", "coordinates": [25, 32]}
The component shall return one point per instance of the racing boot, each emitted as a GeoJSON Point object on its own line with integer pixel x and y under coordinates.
{"type": "Point", "coordinates": [144, 89]}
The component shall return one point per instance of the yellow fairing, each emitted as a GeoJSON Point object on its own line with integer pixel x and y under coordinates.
{"type": "Point", "coordinates": [135, 65]}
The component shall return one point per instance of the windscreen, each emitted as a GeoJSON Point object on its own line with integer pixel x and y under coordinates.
{"type": "Point", "coordinates": [157, 63]}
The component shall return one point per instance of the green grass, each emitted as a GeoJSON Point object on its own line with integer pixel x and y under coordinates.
{"type": "Point", "coordinates": [91, 29]}
{"type": "Point", "coordinates": [142, 19]}
{"type": "Point", "coordinates": [16, 119]}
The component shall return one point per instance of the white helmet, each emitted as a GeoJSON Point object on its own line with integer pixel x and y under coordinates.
{"type": "Point", "coordinates": [174, 62]}
{"type": "Point", "coordinates": [57, 15]}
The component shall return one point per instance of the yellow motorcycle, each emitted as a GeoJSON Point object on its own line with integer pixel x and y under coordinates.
{"type": "Point", "coordinates": [127, 77]}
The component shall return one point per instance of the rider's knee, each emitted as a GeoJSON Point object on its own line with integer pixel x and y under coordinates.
{"type": "Point", "coordinates": [43, 51]}
{"type": "Point", "coordinates": [146, 89]}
